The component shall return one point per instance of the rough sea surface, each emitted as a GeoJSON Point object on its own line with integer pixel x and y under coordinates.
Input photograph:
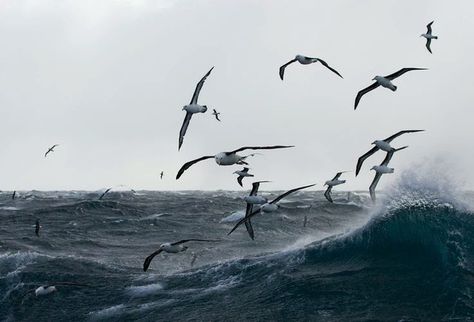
{"type": "Point", "coordinates": [410, 257]}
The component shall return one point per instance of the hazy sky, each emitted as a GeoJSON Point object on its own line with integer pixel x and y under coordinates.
{"type": "Point", "coordinates": [107, 81]}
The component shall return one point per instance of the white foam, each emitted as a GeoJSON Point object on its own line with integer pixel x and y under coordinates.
{"type": "Point", "coordinates": [144, 290]}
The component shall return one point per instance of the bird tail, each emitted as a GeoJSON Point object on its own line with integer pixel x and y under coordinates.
{"type": "Point", "coordinates": [403, 147]}
{"type": "Point", "coordinates": [393, 88]}
{"type": "Point", "coordinates": [435, 37]}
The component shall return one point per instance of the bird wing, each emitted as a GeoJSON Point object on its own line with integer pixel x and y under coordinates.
{"type": "Point", "coordinates": [148, 260]}
{"type": "Point", "coordinates": [245, 169]}
{"type": "Point", "coordinates": [289, 192]}
{"type": "Point", "coordinates": [193, 239]}
{"type": "Point", "coordinates": [390, 138]}
{"type": "Point", "coordinates": [260, 148]}
{"type": "Point", "coordinates": [239, 180]}
{"type": "Point", "coordinates": [217, 117]}
{"type": "Point", "coordinates": [199, 86]}
{"type": "Point", "coordinates": [37, 228]}
{"type": "Point", "coordinates": [363, 92]}
{"type": "Point", "coordinates": [184, 128]}
{"type": "Point", "coordinates": [402, 71]}
{"type": "Point", "coordinates": [253, 213]}
{"type": "Point", "coordinates": [337, 176]}
{"type": "Point", "coordinates": [374, 184]}
{"type": "Point", "coordinates": [255, 186]}
{"type": "Point", "coordinates": [365, 156]}
{"type": "Point", "coordinates": [428, 27]}
{"type": "Point", "coordinates": [389, 155]}
{"type": "Point", "coordinates": [105, 192]}
{"type": "Point", "coordinates": [282, 68]}
{"type": "Point", "coordinates": [327, 194]}
{"type": "Point", "coordinates": [428, 44]}
{"type": "Point", "coordinates": [248, 226]}
{"type": "Point", "coordinates": [328, 67]}
{"type": "Point", "coordinates": [187, 165]}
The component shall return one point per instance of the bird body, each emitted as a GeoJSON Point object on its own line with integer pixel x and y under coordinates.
{"type": "Point", "coordinates": [384, 82]}
{"type": "Point", "coordinates": [243, 173]}
{"type": "Point", "coordinates": [195, 108]}
{"type": "Point", "coordinates": [382, 169]}
{"type": "Point", "coordinates": [382, 145]}
{"type": "Point", "coordinates": [45, 290]}
{"type": "Point", "coordinates": [305, 60]}
{"type": "Point", "coordinates": [269, 207]}
{"type": "Point", "coordinates": [223, 158]}
{"type": "Point", "coordinates": [168, 248]}
{"type": "Point", "coordinates": [332, 183]}
{"type": "Point", "coordinates": [255, 200]}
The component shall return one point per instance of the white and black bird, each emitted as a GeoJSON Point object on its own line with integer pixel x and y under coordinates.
{"type": "Point", "coordinates": [51, 149]}
{"type": "Point", "coordinates": [242, 174]}
{"type": "Point", "coordinates": [331, 183]}
{"type": "Point", "coordinates": [216, 114]}
{"type": "Point", "coordinates": [383, 145]}
{"type": "Point", "coordinates": [382, 169]}
{"type": "Point", "coordinates": [161, 175]}
{"type": "Point", "coordinates": [174, 248]}
{"type": "Point", "coordinates": [252, 199]}
{"type": "Point", "coordinates": [384, 81]}
{"type": "Point", "coordinates": [229, 158]}
{"type": "Point", "coordinates": [268, 207]}
{"type": "Point", "coordinates": [104, 193]}
{"type": "Point", "coordinates": [13, 195]}
{"type": "Point", "coordinates": [306, 61]}
{"type": "Point", "coordinates": [192, 108]}
{"type": "Point", "coordinates": [429, 36]}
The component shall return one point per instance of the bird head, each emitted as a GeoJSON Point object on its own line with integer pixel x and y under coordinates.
{"type": "Point", "coordinates": [204, 108]}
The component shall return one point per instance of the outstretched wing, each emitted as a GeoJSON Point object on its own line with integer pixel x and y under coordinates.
{"type": "Point", "coordinates": [282, 68]}
{"type": "Point", "coordinates": [401, 72]}
{"type": "Point", "coordinates": [189, 240]}
{"type": "Point", "coordinates": [184, 128]}
{"type": "Point", "coordinates": [327, 194]}
{"type": "Point", "coordinates": [365, 156]}
{"type": "Point", "coordinates": [290, 192]}
{"type": "Point", "coordinates": [260, 148]}
{"type": "Point", "coordinates": [199, 86]}
{"type": "Point", "coordinates": [328, 67]}
{"type": "Point", "coordinates": [389, 155]}
{"type": "Point", "coordinates": [390, 138]}
{"type": "Point", "coordinates": [373, 185]}
{"type": "Point", "coordinates": [248, 226]}
{"type": "Point", "coordinates": [37, 228]}
{"type": "Point", "coordinates": [187, 165]}
{"type": "Point", "coordinates": [148, 260]}
{"type": "Point", "coordinates": [255, 186]}
{"type": "Point", "coordinates": [337, 176]}
{"type": "Point", "coordinates": [240, 222]}
{"type": "Point", "coordinates": [428, 45]}
{"type": "Point", "coordinates": [239, 180]}
{"type": "Point", "coordinates": [363, 92]}
{"type": "Point", "coordinates": [428, 27]}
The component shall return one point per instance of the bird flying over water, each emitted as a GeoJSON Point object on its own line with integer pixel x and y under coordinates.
{"type": "Point", "coordinates": [192, 108]}
{"type": "Point", "coordinates": [229, 158]}
{"type": "Point", "coordinates": [161, 175]}
{"type": "Point", "coordinates": [331, 183]}
{"type": "Point", "coordinates": [384, 81]}
{"type": "Point", "coordinates": [104, 193]}
{"type": "Point", "coordinates": [13, 195]}
{"type": "Point", "coordinates": [216, 114]}
{"type": "Point", "coordinates": [306, 61]}
{"type": "Point", "coordinates": [37, 227]}
{"type": "Point", "coordinates": [242, 174]}
{"type": "Point", "coordinates": [51, 149]}
{"type": "Point", "coordinates": [429, 36]}
{"type": "Point", "coordinates": [252, 199]}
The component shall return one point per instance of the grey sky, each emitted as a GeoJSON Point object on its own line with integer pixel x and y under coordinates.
{"type": "Point", "coordinates": [107, 80]}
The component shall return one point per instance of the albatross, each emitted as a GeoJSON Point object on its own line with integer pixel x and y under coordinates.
{"type": "Point", "coordinates": [251, 200]}
{"type": "Point", "coordinates": [429, 36]}
{"type": "Point", "coordinates": [51, 149]}
{"type": "Point", "coordinates": [229, 158]}
{"type": "Point", "coordinates": [104, 193]}
{"type": "Point", "coordinates": [268, 207]}
{"type": "Point", "coordinates": [383, 145]}
{"type": "Point", "coordinates": [382, 169]}
{"type": "Point", "coordinates": [384, 81]}
{"type": "Point", "coordinates": [192, 108]}
{"type": "Point", "coordinates": [174, 248]}
{"type": "Point", "coordinates": [242, 174]}
{"type": "Point", "coordinates": [216, 114]}
{"type": "Point", "coordinates": [37, 227]}
{"type": "Point", "coordinates": [331, 183]}
{"type": "Point", "coordinates": [306, 61]}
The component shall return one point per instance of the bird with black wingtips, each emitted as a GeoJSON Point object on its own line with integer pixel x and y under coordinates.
{"type": "Point", "coordinates": [306, 61]}
{"type": "Point", "coordinates": [429, 36]}
{"type": "Point", "coordinates": [173, 248]}
{"type": "Point", "coordinates": [383, 145]}
{"type": "Point", "coordinates": [268, 207]}
{"type": "Point", "coordinates": [332, 183]}
{"type": "Point", "coordinates": [382, 169]}
{"type": "Point", "coordinates": [13, 195]}
{"type": "Point", "coordinates": [253, 199]}
{"type": "Point", "coordinates": [229, 158]}
{"type": "Point", "coordinates": [161, 175]}
{"type": "Point", "coordinates": [216, 114]}
{"type": "Point", "coordinates": [37, 227]}
{"type": "Point", "coordinates": [242, 174]}
{"type": "Point", "coordinates": [192, 108]}
{"type": "Point", "coordinates": [104, 193]}
{"type": "Point", "coordinates": [384, 81]}
{"type": "Point", "coordinates": [51, 149]}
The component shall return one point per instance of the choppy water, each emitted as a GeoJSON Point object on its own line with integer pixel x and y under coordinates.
{"type": "Point", "coordinates": [410, 258]}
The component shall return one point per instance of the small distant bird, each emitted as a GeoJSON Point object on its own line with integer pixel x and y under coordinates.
{"type": "Point", "coordinates": [384, 81]}
{"type": "Point", "coordinates": [242, 174]}
{"type": "Point", "coordinates": [306, 61]}
{"type": "Point", "coordinates": [429, 36]}
{"type": "Point", "coordinates": [331, 183]}
{"type": "Point", "coordinates": [104, 193]}
{"type": "Point", "coordinates": [13, 195]}
{"type": "Point", "coordinates": [216, 114]}
{"type": "Point", "coordinates": [268, 207]}
{"type": "Point", "coordinates": [229, 158]}
{"type": "Point", "coordinates": [51, 149]}
{"type": "Point", "coordinates": [37, 227]}
{"type": "Point", "coordinates": [161, 175]}
{"type": "Point", "coordinates": [305, 221]}
{"type": "Point", "coordinates": [382, 169]}
{"type": "Point", "coordinates": [192, 108]}
{"type": "Point", "coordinates": [383, 145]}
{"type": "Point", "coordinates": [176, 247]}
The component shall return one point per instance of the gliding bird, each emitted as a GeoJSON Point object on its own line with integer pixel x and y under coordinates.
{"type": "Point", "coordinates": [216, 114]}
{"type": "Point", "coordinates": [51, 149]}
{"type": "Point", "coordinates": [242, 174]}
{"type": "Point", "coordinates": [306, 61]}
{"type": "Point", "coordinates": [331, 183]}
{"type": "Point", "coordinates": [429, 36]}
{"type": "Point", "coordinates": [251, 200]}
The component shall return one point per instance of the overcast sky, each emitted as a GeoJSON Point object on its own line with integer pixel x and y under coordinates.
{"type": "Point", "coordinates": [107, 80]}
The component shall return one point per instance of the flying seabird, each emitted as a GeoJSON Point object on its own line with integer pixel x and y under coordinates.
{"type": "Point", "coordinates": [306, 61]}
{"type": "Point", "coordinates": [251, 200]}
{"type": "Point", "coordinates": [331, 183]}
{"type": "Point", "coordinates": [192, 108]}
{"type": "Point", "coordinates": [216, 114]}
{"type": "Point", "coordinates": [229, 158]}
{"type": "Point", "coordinates": [382, 169]}
{"type": "Point", "coordinates": [13, 195]}
{"type": "Point", "coordinates": [51, 149]}
{"type": "Point", "coordinates": [429, 36]}
{"type": "Point", "coordinates": [242, 174]}
{"type": "Point", "coordinates": [268, 206]}
{"type": "Point", "coordinates": [384, 81]}
{"type": "Point", "coordinates": [171, 248]}
{"type": "Point", "coordinates": [161, 175]}
{"type": "Point", "coordinates": [104, 193]}
{"type": "Point", "coordinates": [383, 145]}
{"type": "Point", "coordinates": [37, 227]}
